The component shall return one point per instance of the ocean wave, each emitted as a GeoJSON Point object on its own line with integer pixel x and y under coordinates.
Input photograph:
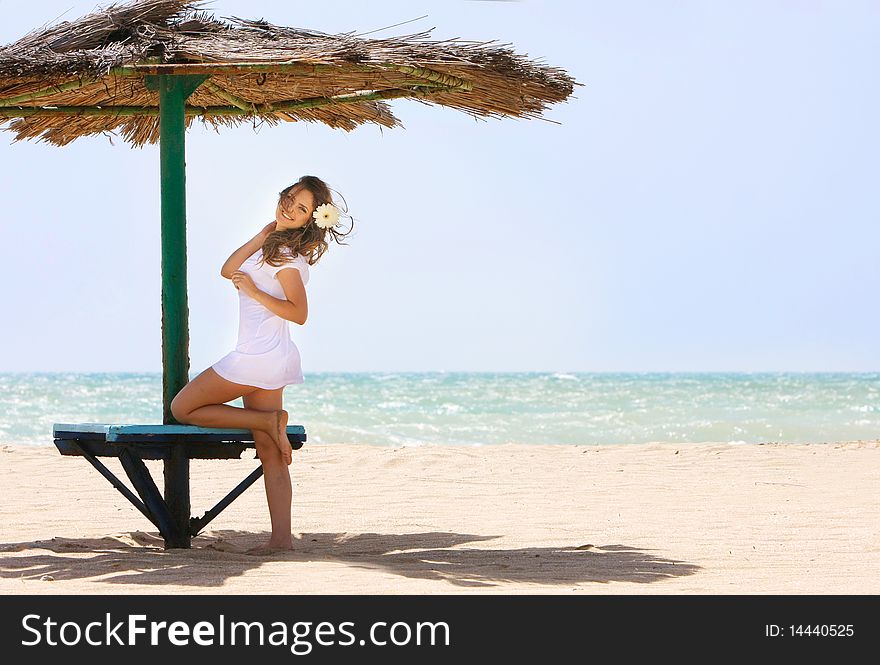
{"type": "Point", "coordinates": [491, 408]}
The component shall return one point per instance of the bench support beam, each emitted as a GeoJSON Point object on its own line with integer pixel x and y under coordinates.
{"type": "Point", "coordinates": [140, 477]}
{"type": "Point", "coordinates": [199, 523]}
{"type": "Point", "coordinates": [118, 484]}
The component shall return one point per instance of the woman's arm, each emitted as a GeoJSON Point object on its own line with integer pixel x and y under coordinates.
{"type": "Point", "coordinates": [293, 307]}
{"type": "Point", "coordinates": [240, 255]}
{"type": "Point", "coordinates": [285, 309]}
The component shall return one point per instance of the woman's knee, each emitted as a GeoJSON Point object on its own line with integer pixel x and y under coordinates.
{"type": "Point", "coordinates": [179, 408]}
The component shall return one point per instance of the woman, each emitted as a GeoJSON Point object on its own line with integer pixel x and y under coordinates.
{"type": "Point", "coordinates": [270, 272]}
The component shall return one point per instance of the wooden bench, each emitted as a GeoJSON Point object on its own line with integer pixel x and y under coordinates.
{"type": "Point", "coordinates": [175, 445]}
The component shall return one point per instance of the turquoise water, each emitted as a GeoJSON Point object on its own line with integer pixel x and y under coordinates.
{"type": "Point", "coordinates": [487, 408]}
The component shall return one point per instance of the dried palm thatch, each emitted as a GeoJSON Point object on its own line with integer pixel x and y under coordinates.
{"type": "Point", "coordinates": [87, 76]}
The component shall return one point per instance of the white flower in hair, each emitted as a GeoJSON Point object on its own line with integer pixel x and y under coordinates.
{"type": "Point", "coordinates": [326, 215]}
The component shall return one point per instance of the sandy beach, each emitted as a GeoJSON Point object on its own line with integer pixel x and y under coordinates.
{"type": "Point", "coordinates": [513, 519]}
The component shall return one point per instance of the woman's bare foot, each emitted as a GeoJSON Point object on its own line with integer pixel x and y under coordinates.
{"type": "Point", "coordinates": [279, 436]}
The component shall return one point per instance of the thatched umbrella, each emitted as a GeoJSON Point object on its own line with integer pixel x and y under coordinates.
{"type": "Point", "coordinates": [93, 75]}
{"type": "Point", "coordinates": [145, 70]}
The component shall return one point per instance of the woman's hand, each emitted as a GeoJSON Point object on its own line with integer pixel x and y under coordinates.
{"type": "Point", "coordinates": [243, 282]}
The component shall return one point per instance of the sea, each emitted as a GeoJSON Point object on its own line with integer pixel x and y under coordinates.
{"type": "Point", "coordinates": [483, 409]}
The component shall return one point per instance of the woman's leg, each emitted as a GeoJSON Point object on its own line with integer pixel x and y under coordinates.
{"type": "Point", "coordinates": [202, 402]}
{"type": "Point", "coordinates": [275, 474]}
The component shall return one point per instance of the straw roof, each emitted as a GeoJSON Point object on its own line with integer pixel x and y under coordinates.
{"type": "Point", "coordinates": [91, 75]}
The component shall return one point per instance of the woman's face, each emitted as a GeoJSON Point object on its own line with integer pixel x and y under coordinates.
{"type": "Point", "coordinates": [295, 209]}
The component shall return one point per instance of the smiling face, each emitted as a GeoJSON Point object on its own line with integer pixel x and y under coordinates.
{"type": "Point", "coordinates": [294, 210]}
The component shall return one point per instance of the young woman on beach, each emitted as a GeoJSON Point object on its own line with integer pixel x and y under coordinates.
{"type": "Point", "coordinates": [270, 271]}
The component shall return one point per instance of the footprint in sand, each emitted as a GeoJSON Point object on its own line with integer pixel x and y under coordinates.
{"type": "Point", "coordinates": [223, 546]}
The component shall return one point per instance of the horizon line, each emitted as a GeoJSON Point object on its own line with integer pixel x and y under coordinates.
{"type": "Point", "coordinates": [441, 371]}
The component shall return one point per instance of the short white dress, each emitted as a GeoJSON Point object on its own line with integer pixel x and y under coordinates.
{"type": "Point", "coordinates": [265, 355]}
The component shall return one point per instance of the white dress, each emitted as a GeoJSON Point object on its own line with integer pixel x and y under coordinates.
{"type": "Point", "coordinates": [265, 355]}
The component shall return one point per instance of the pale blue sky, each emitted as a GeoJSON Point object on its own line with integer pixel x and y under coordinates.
{"type": "Point", "coordinates": [708, 203]}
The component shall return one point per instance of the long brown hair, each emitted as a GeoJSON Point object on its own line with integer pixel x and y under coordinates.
{"type": "Point", "coordinates": [311, 241]}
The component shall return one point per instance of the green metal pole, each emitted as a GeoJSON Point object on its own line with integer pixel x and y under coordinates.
{"type": "Point", "coordinates": [173, 93]}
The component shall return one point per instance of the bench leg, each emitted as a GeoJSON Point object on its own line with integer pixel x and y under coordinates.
{"type": "Point", "coordinates": [177, 497]}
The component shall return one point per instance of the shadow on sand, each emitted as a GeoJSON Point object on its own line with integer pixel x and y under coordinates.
{"type": "Point", "coordinates": [139, 558]}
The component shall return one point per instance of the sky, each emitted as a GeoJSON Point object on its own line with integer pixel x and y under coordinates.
{"type": "Point", "coordinates": [706, 201]}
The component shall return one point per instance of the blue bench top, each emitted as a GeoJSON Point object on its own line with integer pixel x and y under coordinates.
{"type": "Point", "coordinates": [113, 433]}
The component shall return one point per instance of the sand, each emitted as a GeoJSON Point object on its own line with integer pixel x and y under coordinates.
{"type": "Point", "coordinates": [640, 519]}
